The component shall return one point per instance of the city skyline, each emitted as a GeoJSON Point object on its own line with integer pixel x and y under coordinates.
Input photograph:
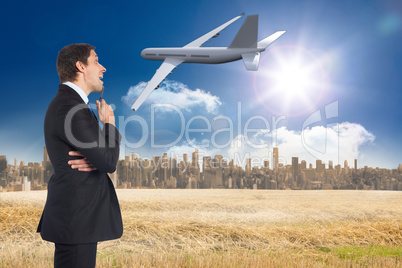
{"type": "Point", "coordinates": [275, 156]}
{"type": "Point", "coordinates": [217, 172]}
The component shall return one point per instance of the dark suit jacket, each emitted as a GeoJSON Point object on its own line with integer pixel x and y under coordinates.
{"type": "Point", "coordinates": [81, 207]}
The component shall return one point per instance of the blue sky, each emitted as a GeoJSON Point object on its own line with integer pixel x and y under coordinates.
{"type": "Point", "coordinates": [343, 55]}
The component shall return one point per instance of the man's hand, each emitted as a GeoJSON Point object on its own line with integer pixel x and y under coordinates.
{"type": "Point", "coordinates": [105, 112]}
{"type": "Point", "coordinates": [82, 164]}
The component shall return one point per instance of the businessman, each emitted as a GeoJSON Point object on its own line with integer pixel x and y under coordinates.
{"type": "Point", "coordinates": [81, 207]}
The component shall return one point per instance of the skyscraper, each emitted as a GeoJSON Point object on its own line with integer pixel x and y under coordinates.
{"type": "Point", "coordinates": [3, 163]}
{"type": "Point", "coordinates": [319, 166]}
{"type": "Point", "coordinates": [206, 163]}
{"type": "Point", "coordinates": [266, 164]}
{"type": "Point", "coordinates": [248, 167]}
{"type": "Point", "coordinates": [295, 168]}
{"type": "Point", "coordinates": [165, 166]}
{"type": "Point", "coordinates": [185, 168]}
{"type": "Point", "coordinates": [331, 164]}
{"type": "Point", "coordinates": [132, 156]}
{"type": "Point", "coordinates": [218, 170]}
{"type": "Point", "coordinates": [195, 158]}
{"type": "Point", "coordinates": [275, 158]}
{"type": "Point", "coordinates": [45, 155]}
{"type": "Point", "coordinates": [303, 165]}
{"type": "Point", "coordinates": [47, 168]}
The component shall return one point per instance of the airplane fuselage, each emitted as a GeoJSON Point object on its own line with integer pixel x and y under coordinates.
{"type": "Point", "coordinates": [244, 46]}
{"type": "Point", "coordinates": [210, 55]}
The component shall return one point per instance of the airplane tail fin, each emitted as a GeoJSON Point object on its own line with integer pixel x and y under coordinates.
{"type": "Point", "coordinates": [247, 36]}
{"type": "Point", "coordinates": [251, 60]}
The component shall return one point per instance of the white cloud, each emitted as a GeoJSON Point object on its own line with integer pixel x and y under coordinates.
{"type": "Point", "coordinates": [333, 143]}
{"type": "Point", "coordinates": [175, 93]}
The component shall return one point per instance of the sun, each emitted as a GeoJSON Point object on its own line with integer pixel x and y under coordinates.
{"type": "Point", "coordinates": [291, 83]}
{"type": "Point", "coordinates": [292, 80]}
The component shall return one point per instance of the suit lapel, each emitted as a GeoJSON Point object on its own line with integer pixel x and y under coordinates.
{"type": "Point", "coordinates": [74, 95]}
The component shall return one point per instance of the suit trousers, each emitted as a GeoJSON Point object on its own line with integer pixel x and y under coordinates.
{"type": "Point", "coordinates": [75, 256]}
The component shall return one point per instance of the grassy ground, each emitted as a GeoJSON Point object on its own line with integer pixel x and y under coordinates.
{"type": "Point", "coordinates": [226, 228]}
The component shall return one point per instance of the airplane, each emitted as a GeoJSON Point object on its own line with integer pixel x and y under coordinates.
{"type": "Point", "coordinates": [244, 46]}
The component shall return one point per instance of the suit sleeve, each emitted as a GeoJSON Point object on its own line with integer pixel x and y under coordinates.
{"type": "Point", "coordinates": [82, 132]}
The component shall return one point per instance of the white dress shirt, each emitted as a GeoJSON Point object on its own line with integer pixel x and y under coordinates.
{"type": "Point", "coordinates": [78, 90]}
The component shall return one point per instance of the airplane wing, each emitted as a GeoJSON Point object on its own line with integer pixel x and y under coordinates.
{"type": "Point", "coordinates": [167, 66]}
{"type": "Point", "coordinates": [198, 42]}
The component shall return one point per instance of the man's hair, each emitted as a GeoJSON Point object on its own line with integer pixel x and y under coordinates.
{"type": "Point", "coordinates": [67, 58]}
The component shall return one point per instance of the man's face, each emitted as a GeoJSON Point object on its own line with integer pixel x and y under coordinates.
{"type": "Point", "coordinates": [94, 73]}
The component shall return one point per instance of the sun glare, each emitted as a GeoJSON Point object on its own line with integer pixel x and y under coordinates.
{"type": "Point", "coordinates": [291, 81]}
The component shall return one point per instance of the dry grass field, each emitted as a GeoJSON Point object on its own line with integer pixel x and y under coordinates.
{"type": "Point", "coordinates": [226, 228]}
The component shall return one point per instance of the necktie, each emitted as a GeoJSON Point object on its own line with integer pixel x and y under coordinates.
{"type": "Point", "coordinates": [90, 108]}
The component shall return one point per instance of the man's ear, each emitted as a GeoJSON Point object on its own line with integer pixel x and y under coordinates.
{"type": "Point", "coordinates": [80, 66]}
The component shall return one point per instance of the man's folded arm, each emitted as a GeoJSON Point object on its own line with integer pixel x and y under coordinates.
{"type": "Point", "coordinates": [101, 148]}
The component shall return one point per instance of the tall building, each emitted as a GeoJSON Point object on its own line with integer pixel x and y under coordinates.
{"type": "Point", "coordinates": [295, 168]}
{"type": "Point", "coordinates": [47, 168]}
{"type": "Point", "coordinates": [3, 163]}
{"type": "Point", "coordinates": [45, 155]}
{"type": "Point", "coordinates": [218, 161]}
{"type": "Point", "coordinates": [355, 164]}
{"type": "Point", "coordinates": [275, 158]}
{"type": "Point", "coordinates": [195, 170]}
{"type": "Point", "coordinates": [164, 175]}
{"type": "Point", "coordinates": [319, 166]}
{"type": "Point", "coordinates": [248, 167]}
{"type": "Point", "coordinates": [184, 170]}
{"type": "Point", "coordinates": [303, 165]}
{"type": "Point", "coordinates": [330, 164]}
{"type": "Point", "coordinates": [195, 158]}
{"type": "Point", "coordinates": [266, 164]}
{"type": "Point", "coordinates": [206, 163]}
{"type": "Point", "coordinates": [207, 171]}
{"type": "Point", "coordinates": [132, 156]}
{"type": "Point", "coordinates": [218, 168]}
{"type": "Point", "coordinates": [157, 166]}
{"type": "Point", "coordinates": [173, 167]}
